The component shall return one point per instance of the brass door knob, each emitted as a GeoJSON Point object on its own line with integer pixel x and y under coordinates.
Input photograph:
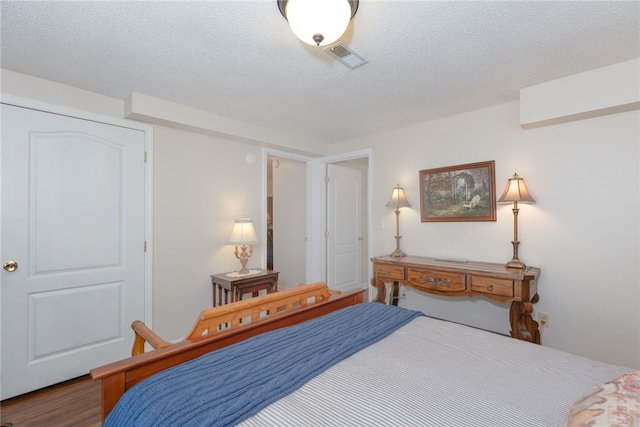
{"type": "Point", "coordinates": [10, 266]}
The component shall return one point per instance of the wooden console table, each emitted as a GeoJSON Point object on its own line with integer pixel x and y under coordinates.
{"type": "Point", "coordinates": [251, 283]}
{"type": "Point", "coordinates": [464, 278]}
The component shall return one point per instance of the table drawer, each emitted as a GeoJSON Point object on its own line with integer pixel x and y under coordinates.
{"type": "Point", "coordinates": [436, 280]}
{"type": "Point", "coordinates": [390, 272]}
{"type": "Point", "coordinates": [490, 285]}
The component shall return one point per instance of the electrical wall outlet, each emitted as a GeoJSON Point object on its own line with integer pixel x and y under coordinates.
{"type": "Point", "coordinates": [543, 319]}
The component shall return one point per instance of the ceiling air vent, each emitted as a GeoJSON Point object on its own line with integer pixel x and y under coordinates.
{"type": "Point", "coordinates": [346, 55]}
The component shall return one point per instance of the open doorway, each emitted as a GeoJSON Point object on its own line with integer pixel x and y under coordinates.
{"type": "Point", "coordinates": [297, 214]}
{"type": "Point", "coordinates": [287, 219]}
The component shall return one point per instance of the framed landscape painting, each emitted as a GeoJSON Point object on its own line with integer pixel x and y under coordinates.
{"type": "Point", "coordinates": [458, 193]}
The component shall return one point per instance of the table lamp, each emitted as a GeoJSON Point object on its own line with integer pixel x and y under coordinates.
{"type": "Point", "coordinates": [516, 191]}
{"type": "Point", "coordinates": [397, 201]}
{"type": "Point", "coordinates": [243, 235]}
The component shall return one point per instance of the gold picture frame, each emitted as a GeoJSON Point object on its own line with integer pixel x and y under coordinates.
{"type": "Point", "coordinates": [458, 193]}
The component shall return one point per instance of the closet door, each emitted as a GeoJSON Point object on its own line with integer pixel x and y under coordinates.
{"type": "Point", "coordinates": [73, 231]}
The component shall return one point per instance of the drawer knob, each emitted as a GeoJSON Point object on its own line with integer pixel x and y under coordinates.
{"type": "Point", "coordinates": [490, 288]}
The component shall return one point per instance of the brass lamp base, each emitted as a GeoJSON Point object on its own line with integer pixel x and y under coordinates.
{"type": "Point", "coordinates": [398, 254]}
{"type": "Point", "coordinates": [515, 262]}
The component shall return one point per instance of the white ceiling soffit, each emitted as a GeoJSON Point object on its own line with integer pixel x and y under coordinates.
{"type": "Point", "coordinates": [239, 59]}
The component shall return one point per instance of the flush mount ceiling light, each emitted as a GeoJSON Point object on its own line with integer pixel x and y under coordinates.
{"type": "Point", "coordinates": [318, 22]}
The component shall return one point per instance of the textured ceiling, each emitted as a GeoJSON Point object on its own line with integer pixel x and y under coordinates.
{"type": "Point", "coordinates": [427, 59]}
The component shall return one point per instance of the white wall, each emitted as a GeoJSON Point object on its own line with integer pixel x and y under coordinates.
{"type": "Point", "coordinates": [583, 232]}
{"type": "Point", "coordinates": [201, 184]}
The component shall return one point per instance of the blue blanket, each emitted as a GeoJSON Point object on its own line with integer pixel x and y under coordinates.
{"type": "Point", "coordinates": [226, 386]}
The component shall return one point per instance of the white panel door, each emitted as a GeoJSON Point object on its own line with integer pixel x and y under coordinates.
{"type": "Point", "coordinates": [73, 219]}
{"type": "Point", "coordinates": [344, 242]}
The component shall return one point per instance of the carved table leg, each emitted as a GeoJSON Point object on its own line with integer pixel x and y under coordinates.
{"type": "Point", "coordinates": [395, 295]}
{"type": "Point", "coordinates": [381, 295]}
{"type": "Point", "coordinates": [523, 327]}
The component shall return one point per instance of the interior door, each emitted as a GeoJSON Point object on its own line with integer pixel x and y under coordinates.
{"type": "Point", "coordinates": [289, 221]}
{"type": "Point", "coordinates": [73, 221]}
{"type": "Point", "coordinates": [344, 227]}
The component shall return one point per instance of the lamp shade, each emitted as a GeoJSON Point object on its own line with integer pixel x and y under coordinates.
{"type": "Point", "coordinates": [516, 191]}
{"type": "Point", "coordinates": [243, 233]}
{"type": "Point", "coordinates": [318, 22]}
{"type": "Point", "coordinates": [398, 200]}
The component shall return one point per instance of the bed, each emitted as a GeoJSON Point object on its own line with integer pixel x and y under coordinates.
{"type": "Point", "coordinates": [332, 360]}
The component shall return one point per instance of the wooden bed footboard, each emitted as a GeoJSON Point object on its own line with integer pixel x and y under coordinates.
{"type": "Point", "coordinates": [278, 312]}
{"type": "Point", "coordinates": [239, 314]}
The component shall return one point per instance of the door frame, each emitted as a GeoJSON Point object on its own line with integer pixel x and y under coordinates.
{"type": "Point", "coordinates": [148, 208]}
{"type": "Point", "coordinates": [317, 205]}
{"type": "Point", "coordinates": [271, 152]}
{"type": "Point", "coordinates": [318, 208]}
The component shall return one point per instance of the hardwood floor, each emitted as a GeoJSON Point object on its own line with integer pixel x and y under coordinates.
{"type": "Point", "coordinates": [72, 403]}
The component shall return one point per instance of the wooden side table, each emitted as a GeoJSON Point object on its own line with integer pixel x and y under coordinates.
{"type": "Point", "coordinates": [223, 284]}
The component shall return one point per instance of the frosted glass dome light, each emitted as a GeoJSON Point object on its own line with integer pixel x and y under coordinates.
{"type": "Point", "coordinates": [318, 22]}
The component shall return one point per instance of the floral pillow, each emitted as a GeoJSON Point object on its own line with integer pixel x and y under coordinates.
{"type": "Point", "coordinates": [615, 403]}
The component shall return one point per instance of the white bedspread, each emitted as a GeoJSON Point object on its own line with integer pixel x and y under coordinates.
{"type": "Point", "coordinates": [436, 373]}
